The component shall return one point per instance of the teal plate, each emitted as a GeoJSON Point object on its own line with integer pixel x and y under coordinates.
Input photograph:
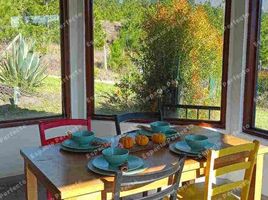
{"type": "Point", "coordinates": [134, 163]}
{"type": "Point", "coordinates": [170, 133]}
{"type": "Point", "coordinates": [80, 150]}
{"type": "Point", "coordinates": [174, 150]}
{"type": "Point", "coordinates": [74, 145]}
{"type": "Point", "coordinates": [107, 173]}
{"type": "Point", "coordinates": [183, 146]}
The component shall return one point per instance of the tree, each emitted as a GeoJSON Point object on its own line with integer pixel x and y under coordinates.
{"type": "Point", "coordinates": [215, 15]}
{"type": "Point", "coordinates": [180, 44]}
{"type": "Point", "coordinates": [17, 17]}
{"type": "Point", "coordinates": [129, 13]}
{"type": "Point", "coordinates": [264, 40]}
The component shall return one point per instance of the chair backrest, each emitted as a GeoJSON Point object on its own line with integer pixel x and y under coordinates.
{"type": "Point", "coordinates": [247, 160]}
{"type": "Point", "coordinates": [135, 116]}
{"type": "Point", "coordinates": [44, 126]}
{"type": "Point", "coordinates": [135, 181]}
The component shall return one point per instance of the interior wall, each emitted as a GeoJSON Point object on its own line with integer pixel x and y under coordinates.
{"type": "Point", "coordinates": [14, 139]}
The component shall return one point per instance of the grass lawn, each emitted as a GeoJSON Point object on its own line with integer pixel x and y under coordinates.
{"type": "Point", "coordinates": [47, 101]}
{"type": "Point", "coordinates": [102, 89]}
{"type": "Point", "coordinates": [262, 118]}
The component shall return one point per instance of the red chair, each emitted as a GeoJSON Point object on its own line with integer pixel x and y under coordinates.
{"type": "Point", "coordinates": [43, 126]}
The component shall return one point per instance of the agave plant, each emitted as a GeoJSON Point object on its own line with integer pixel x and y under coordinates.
{"type": "Point", "coordinates": [21, 67]}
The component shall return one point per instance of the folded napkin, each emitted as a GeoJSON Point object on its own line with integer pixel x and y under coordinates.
{"type": "Point", "coordinates": [104, 145]}
{"type": "Point", "coordinates": [96, 143]}
{"type": "Point", "coordinates": [146, 128]}
{"type": "Point", "coordinates": [123, 167]}
{"type": "Point", "coordinates": [69, 134]}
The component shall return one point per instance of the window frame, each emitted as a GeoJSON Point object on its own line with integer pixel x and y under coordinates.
{"type": "Point", "coordinates": [254, 26]}
{"type": "Point", "coordinates": [65, 74]}
{"type": "Point", "coordinates": [89, 48]}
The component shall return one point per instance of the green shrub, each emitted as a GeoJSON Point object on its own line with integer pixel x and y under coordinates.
{"type": "Point", "coordinates": [264, 40]}
{"type": "Point", "coordinates": [14, 21]}
{"type": "Point", "coordinates": [176, 48]}
{"type": "Point", "coordinates": [123, 98]}
{"type": "Point", "coordinates": [262, 90]}
{"type": "Point", "coordinates": [263, 82]}
{"type": "Point", "coordinates": [262, 100]}
{"type": "Point", "coordinates": [175, 52]}
{"type": "Point", "coordinates": [21, 67]}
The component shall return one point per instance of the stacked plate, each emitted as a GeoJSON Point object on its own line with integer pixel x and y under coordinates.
{"type": "Point", "coordinates": [100, 166]}
{"type": "Point", "coordinates": [72, 146]}
{"type": "Point", "coordinates": [169, 133]}
{"type": "Point", "coordinates": [183, 148]}
{"type": "Point", "coordinates": [158, 127]}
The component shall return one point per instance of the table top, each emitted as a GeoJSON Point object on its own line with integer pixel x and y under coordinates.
{"type": "Point", "coordinates": [67, 172]}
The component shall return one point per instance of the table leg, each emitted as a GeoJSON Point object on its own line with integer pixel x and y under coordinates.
{"type": "Point", "coordinates": [256, 184]}
{"type": "Point", "coordinates": [31, 184]}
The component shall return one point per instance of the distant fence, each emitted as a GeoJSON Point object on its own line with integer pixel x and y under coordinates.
{"type": "Point", "coordinates": [37, 20]}
{"type": "Point", "coordinates": [209, 109]}
{"type": "Point", "coordinates": [264, 70]}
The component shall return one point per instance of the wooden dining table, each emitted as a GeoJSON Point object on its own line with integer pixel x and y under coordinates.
{"type": "Point", "coordinates": [66, 175]}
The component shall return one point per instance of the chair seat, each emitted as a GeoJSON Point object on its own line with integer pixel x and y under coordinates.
{"type": "Point", "coordinates": [196, 192]}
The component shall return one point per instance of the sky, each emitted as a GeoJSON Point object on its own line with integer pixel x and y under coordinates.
{"type": "Point", "coordinates": [217, 3]}
{"type": "Point", "coordinates": [265, 5]}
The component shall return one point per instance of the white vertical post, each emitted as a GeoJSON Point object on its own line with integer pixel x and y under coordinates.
{"type": "Point", "coordinates": [237, 66]}
{"type": "Point", "coordinates": [105, 56]}
{"type": "Point", "coordinates": [77, 50]}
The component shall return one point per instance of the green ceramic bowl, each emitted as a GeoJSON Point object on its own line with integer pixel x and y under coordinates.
{"type": "Point", "coordinates": [160, 126]}
{"type": "Point", "coordinates": [115, 156]}
{"type": "Point", "coordinates": [83, 137]}
{"type": "Point", "coordinates": [196, 142]}
{"type": "Point", "coordinates": [170, 133]}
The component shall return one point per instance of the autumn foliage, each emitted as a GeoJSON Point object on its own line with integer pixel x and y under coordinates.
{"type": "Point", "coordinates": [181, 44]}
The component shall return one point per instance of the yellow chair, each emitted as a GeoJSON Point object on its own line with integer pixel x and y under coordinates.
{"type": "Point", "coordinates": [245, 156]}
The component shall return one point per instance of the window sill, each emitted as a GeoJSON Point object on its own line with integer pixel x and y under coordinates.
{"type": "Point", "coordinates": [30, 121]}
{"type": "Point", "coordinates": [256, 132]}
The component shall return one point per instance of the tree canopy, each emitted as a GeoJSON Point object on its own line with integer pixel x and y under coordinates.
{"type": "Point", "coordinates": [30, 19]}
{"type": "Point", "coordinates": [181, 44]}
{"type": "Point", "coordinates": [264, 40]}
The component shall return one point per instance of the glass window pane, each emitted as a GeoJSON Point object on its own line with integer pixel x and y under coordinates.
{"type": "Point", "coordinates": [261, 116]}
{"type": "Point", "coordinates": [30, 59]}
{"type": "Point", "coordinates": [159, 52]}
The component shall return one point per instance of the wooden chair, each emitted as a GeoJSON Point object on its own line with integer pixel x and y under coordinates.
{"type": "Point", "coordinates": [173, 172]}
{"type": "Point", "coordinates": [44, 126]}
{"type": "Point", "coordinates": [135, 116]}
{"type": "Point", "coordinates": [245, 156]}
